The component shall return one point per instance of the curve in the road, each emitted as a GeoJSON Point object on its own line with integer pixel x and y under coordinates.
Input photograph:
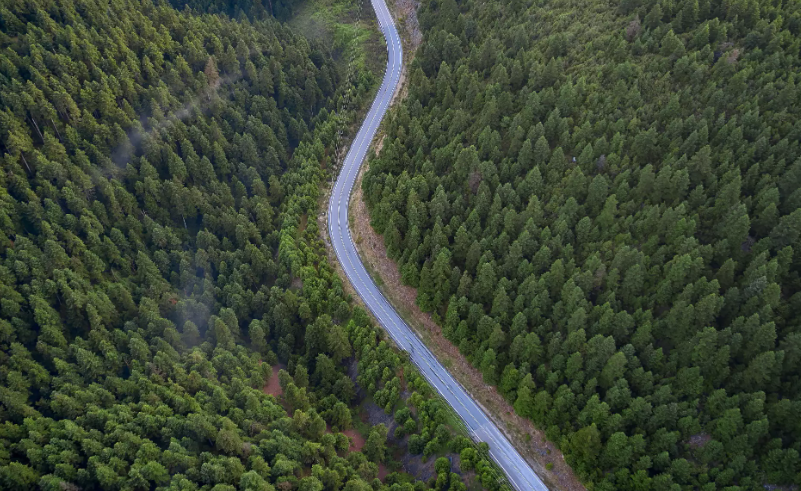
{"type": "Point", "coordinates": [518, 472]}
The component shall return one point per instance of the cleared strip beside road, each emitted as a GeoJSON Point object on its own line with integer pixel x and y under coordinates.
{"type": "Point", "coordinates": [518, 472]}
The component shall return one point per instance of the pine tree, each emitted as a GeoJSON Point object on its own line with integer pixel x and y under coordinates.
{"type": "Point", "coordinates": [375, 446]}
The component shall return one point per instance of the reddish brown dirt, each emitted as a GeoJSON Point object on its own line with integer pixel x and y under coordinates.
{"type": "Point", "coordinates": [273, 387]}
{"type": "Point", "coordinates": [356, 440]}
{"type": "Point", "coordinates": [356, 444]}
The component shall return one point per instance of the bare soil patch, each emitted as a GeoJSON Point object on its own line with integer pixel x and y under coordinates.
{"type": "Point", "coordinates": [406, 15]}
{"type": "Point", "coordinates": [375, 416]}
{"type": "Point", "coordinates": [356, 440]}
{"type": "Point", "coordinates": [273, 386]}
{"type": "Point", "coordinates": [699, 440]}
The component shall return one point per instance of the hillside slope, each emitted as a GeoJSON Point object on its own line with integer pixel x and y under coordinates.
{"type": "Point", "coordinates": [599, 203]}
{"type": "Point", "coordinates": [156, 263]}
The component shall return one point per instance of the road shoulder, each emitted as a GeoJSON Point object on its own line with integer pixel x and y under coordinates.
{"type": "Point", "coordinates": [528, 440]}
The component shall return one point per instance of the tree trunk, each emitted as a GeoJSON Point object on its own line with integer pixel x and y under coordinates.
{"type": "Point", "coordinates": [37, 129]}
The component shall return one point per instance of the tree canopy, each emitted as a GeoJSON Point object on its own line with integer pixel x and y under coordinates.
{"type": "Point", "coordinates": [157, 258]}
{"type": "Point", "coordinates": [599, 203]}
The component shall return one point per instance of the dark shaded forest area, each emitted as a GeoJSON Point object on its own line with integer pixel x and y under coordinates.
{"type": "Point", "coordinates": [157, 259]}
{"type": "Point", "coordinates": [600, 205]}
{"type": "Point", "coordinates": [241, 9]}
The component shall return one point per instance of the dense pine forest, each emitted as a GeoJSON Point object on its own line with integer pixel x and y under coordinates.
{"type": "Point", "coordinates": [161, 171]}
{"type": "Point", "coordinates": [600, 203]}
{"type": "Point", "coordinates": [241, 9]}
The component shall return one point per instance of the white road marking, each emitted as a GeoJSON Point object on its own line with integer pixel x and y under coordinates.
{"type": "Point", "coordinates": [523, 478]}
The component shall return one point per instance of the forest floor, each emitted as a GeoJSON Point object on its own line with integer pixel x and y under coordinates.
{"type": "Point", "coordinates": [273, 386]}
{"type": "Point", "coordinates": [418, 466]}
{"type": "Point", "coordinates": [357, 441]}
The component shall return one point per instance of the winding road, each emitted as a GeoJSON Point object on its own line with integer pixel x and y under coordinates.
{"type": "Point", "coordinates": [518, 472]}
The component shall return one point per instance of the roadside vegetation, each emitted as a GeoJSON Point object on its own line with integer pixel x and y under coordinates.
{"type": "Point", "coordinates": [599, 206]}
{"type": "Point", "coordinates": [349, 28]}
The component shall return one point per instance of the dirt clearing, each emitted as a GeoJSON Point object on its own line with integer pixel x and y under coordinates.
{"type": "Point", "coordinates": [273, 386]}
{"type": "Point", "coordinates": [356, 440]}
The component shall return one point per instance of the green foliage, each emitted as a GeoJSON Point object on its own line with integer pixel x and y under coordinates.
{"type": "Point", "coordinates": [615, 191]}
{"type": "Point", "coordinates": [375, 447]}
{"type": "Point", "coordinates": [241, 9]}
{"type": "Point", "coordinates": [157, 258]}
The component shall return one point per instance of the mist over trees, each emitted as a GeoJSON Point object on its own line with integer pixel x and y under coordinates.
{"type": "Point", "coordinates": [161, 172]}
{"type": "Point", "coordinates": [600, 205]}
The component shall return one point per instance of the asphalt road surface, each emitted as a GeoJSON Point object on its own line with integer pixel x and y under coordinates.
{"type": "Point", "coordinates": [518, 472]}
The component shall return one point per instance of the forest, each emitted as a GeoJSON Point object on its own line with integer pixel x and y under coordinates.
{"type": "Point", "coordinates": [241, 9]}
{"type": "Point", "coordinates": [600, 203]}
{"type": "Point", "coordinates": [161, 171]}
